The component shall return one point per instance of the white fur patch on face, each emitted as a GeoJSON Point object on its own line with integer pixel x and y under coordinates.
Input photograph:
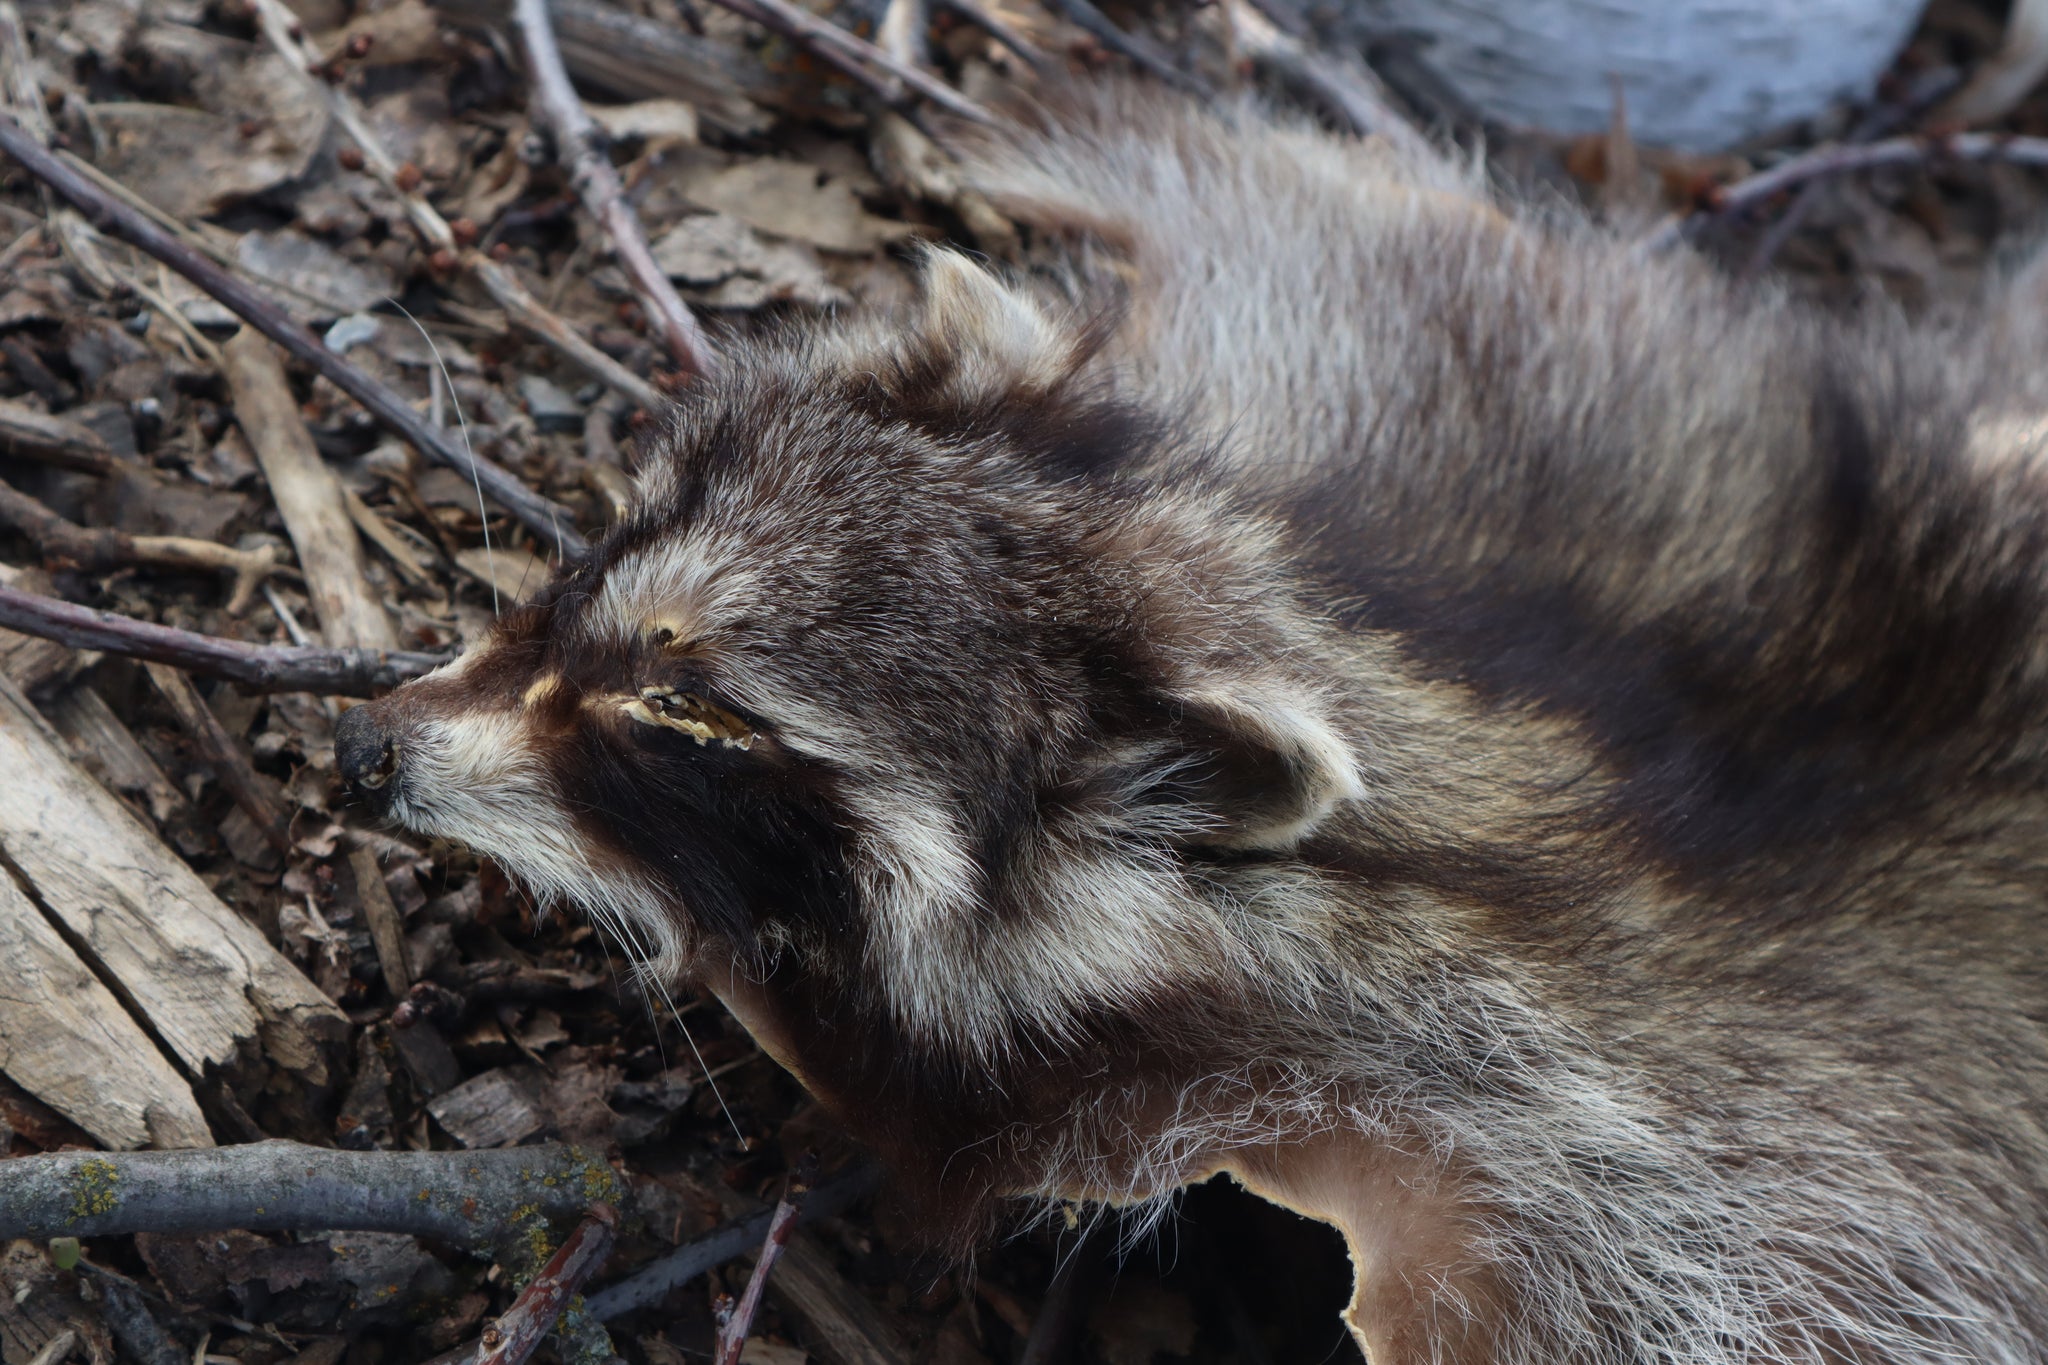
{"type": "Point", "coordinates": [473, 778]}
{"type": "Point", "coordinates": [1112, 922]}
{"type": "Point", "coordinates": [684, 585]}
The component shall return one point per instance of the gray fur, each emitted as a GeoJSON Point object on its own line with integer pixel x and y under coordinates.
{"type": "Point", "coordinates": [1497, 741]}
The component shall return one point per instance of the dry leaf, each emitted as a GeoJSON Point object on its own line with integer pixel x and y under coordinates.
{"type": "Point", "coordinates": [795, 201]}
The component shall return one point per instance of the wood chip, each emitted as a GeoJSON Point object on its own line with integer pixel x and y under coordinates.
{"type": "Point", "coordinates": [497, 1109]}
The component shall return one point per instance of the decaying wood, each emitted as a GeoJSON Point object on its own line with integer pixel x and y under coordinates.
{"type": "Point", "coordinates": [258, 668]}
{"type": "Point", "coordinates": [546, 518]}
{"type": "Point", "coordinates": [52, 440]}
{"type": "Point", "coordinates": [66, 1040]}
{"type": "Point", "coordinates": [256, 794]}
{"type": "Point", "coordinates": [308, 495]}
{"type": "Point", "coordinates": [468, 1199]}
{"type": "Point", "coordinates": [108, 750]}
{"type": "Point", "coordinates": [596, 182]}
{"type": "Point", "coordinates": [387, 929]}
{"type": "Point", "coordinates": [28, 659]}
{"type": "Point", "coordinates": [206, 981]}
{"type": "Point", "coordinates": [841, 1323]}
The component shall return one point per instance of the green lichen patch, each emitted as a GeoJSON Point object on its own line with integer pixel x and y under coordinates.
{"type": "Point", "coordinates": [93, 1188]}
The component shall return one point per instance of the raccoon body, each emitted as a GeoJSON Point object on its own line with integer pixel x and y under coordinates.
{"type": "Point", "coordinates": [1499, 743]}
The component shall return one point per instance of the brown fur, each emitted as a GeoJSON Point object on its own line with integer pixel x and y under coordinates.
{"type": "Point", "coordinates": [1500, 743]}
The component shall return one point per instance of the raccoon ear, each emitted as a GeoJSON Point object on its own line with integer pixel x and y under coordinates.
{"type": "Point", "coordinates": [1267, 770]}
{"type": "Point", "coordinates": [989, 338]}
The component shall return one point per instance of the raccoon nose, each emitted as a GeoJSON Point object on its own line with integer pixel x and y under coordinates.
{"type": "Point", "coordinates": [365, 753]}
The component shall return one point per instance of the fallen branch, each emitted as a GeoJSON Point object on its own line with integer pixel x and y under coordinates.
{"type": "Point", "coordinates": [471, 1199]}
{"type": "Point", "coordinates": [528, 312]}
{"type": "Point", "coordinates": [1841, 159]}
{"type": "Point", "coordinates": [736, 1321]}
{"type": "Point", "coordinates": [66, 544]}
{"type": "Point", "coordinates": [256, 668]}
{"type": "Point", "coordinates": [832, 44]}
{"type": "Point", "coordinates": [513, 1337]}
{"type": "Point", "coordinates": [652, 1282]}
{"type": "Point", "coordinates": [547, 519]}
{"type": "Point", "coordinates": [596, 181]}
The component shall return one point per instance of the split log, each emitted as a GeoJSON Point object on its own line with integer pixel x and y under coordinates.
{"type": "Point", "coordinates": [66, 1040]}
{"type": "Point", "coordinates": [204, 981]}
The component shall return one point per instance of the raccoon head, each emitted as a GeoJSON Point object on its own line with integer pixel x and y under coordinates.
{"type": "Point", "coordinates": [908, 703]}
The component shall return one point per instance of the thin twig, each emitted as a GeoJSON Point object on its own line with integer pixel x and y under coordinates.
{"type": "Point", "coordinates": [596, 181]}
{"type": "Point", "coordinates": [739, 1320]}
{"type": "Point", "coordinates": [998, 28]}
{"type": "Point", "coordinates": [1840, 159]}
{"type": "Point", "coordinates": [1134, 46]}
{"type": "Point", "coordinates": [528, 312]}
{"type": "Point", "coordinates": [470, 1199]}
{"type": "Point", "coordinates": [1347, 89]}
{"type": "Point", "coordinates": [653, 1281]}
{"type": "Point", "coordinates": [1927, 87]}
{"type": "Point", "coordinates": [256, 668]}
{"type": "Point", "coordinates": [851, 55]}
{"type": "Point", "coordinates": [513, 1337]}
{"type": "Point", "coordinates": [549, 520]}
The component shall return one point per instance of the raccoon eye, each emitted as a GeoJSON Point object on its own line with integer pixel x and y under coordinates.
{"type": "Point", "coordinates": [663, 637]}
{"type": "Point", "coordinates": [690, 714]}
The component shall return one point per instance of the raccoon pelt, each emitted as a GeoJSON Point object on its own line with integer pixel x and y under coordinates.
{"type": "Point", "coordinates": [1513, 747]}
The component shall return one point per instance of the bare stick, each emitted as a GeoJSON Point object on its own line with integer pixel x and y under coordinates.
{"type": "Point", "coordinates": [471, 1199]}
{"type": "Point", "coordinates": [843, 50]}
{"type": "Point", "coordinates": [513, 1337]}
{"type": "Point", "coordinates": [1839, 159]}
{"type": "Point", "coordinates": [257, 668]}
{"type": "Point", "coordinates": [581, 147]}
{"type": "Point", "coordinates": [651, 1282]}
{"type": "Point", "coordinates": [1135, 46]}
{"type": "Point", "coordinates": [1347, 88]}
{"type": "Point", "coordinates": [548, 520]}
{"type": "Point", "coordinates": [735, 1324]}
{"type": "Point", "coordinates": [96, 551]}
{"type": "Point", "coordinates": [528, 312]}
{"type": "Point", "coordinates": [998, 28]}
